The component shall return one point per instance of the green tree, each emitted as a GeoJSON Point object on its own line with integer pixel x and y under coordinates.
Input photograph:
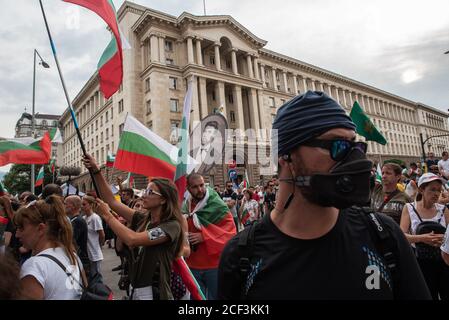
{"type": "Point", "coordinates": [18, 179]}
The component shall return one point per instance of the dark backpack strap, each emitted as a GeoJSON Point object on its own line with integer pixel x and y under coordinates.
{"type": "Point", "coordinates": [246, 245]}
{"type": "Point", "coordinates": [416, 211]}
{"type": "Point", "coordinates": [59, 263]}
{"type": "Point", "coordinates": [385, 242]}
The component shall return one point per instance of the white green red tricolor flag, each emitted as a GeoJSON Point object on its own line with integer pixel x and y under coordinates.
{"type": "Point", "coordinates": [181, 167]}
{"type": "Point", "coordinates": [378, 174]}
{"type": "Point", "coordinates": [110, 159]}
{"type": "Point", "coordinates": [40, 177]}
{"type": "Point", "coordinates": [110, 66]}
{"type": "Point", "coordinates": [25, 150]}
{"type": "Point", "coordinates": [143, 152]}
{"type": "Point", "coordinates": [245, 182]}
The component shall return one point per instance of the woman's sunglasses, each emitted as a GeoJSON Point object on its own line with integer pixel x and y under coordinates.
{"type": "Point", "coordinates": [338, 148]}
{"type": "Point", "coordinates": [149, 192]}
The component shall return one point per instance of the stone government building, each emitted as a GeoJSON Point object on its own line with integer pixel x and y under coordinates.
{"type": "Point", "coordinates": [234, 72]}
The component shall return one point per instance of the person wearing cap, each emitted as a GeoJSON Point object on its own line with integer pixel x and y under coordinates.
{"type": "Point", "coordinates": [427, 208]}
{"type": "Point", "coordinates": [314, 244]}
{"type": "Point", "coordinates": [386, 197]}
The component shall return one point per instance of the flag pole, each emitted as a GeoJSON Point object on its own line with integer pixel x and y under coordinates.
{"type": "Point", "coordinates": [53, 48]}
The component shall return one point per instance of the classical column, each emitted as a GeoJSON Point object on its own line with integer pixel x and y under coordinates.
{"type": "Point", "coordinates": [199, 56]}
{"type": "Point", "coordinates": [313, 85]}
{"type": "Point", "coordinates": [275, 82]}
{"type": "Point", "coordinates": [254, 109]}
{"type": "Point", "coordinates": [256, 68]}
{"type": "Point", "coordinates": [262, 112]}
{"type": "Point", "coordinates": [217, 55]}
{"type": "Point", "coordinates": [250, 66]}
{"type": "Point", "coordinates": [304, 82]}
{"type": "Point", "coordinates": [344, 98]}
{"type": "Point", "coordinates": [234, 61]}
{"type": "Point", "coordinates": [220, 89]}
{"type": "Point", "coordinates": [154, 48]}
{"type": "Point", "coordinates": [195, 102]}
{"type": "Point", "coordinates": [337, 95]}
{"type": "Point", "coordinates": [237, 91]}
{"type": "Point", "coordinates": [162, 49]}
{"type": "Point", "coordinates": [285, 83]}
{"type": "Point", "coordinates": [295, 84]}
{"type": "Point", "coordinates": [190, 58]}
{"type": "Point", "coordinates": [262, 74]}
{"type": "Point", "coordinates": [203, 98]}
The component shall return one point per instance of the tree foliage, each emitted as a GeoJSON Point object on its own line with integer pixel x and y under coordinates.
{"type": "Point", "coordinates": [18, 179]}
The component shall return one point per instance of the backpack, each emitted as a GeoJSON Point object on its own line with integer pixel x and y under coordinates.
{"type": "Point", "coordinates": [95, 290]}
{"type": "Point", "coordinates": [423, 250]}
{"type": "Point", "coordinates": [385, 244]}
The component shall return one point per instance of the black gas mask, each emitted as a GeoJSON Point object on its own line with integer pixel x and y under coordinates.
{"type": "Point", "coordinates": [347, 183]}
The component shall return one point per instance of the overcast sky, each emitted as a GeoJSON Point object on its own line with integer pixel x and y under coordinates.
{"type": "Point", "coordinates": [395, 45]}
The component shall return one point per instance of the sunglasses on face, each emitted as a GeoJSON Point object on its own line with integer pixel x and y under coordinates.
{"type": "Point", "coordinates": [338, 148]}
{"type": "Point", "coordinates": [149, 192]}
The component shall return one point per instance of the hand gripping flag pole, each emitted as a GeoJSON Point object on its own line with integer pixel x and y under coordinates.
{"type": "Point", "coordinates": [67, 95]}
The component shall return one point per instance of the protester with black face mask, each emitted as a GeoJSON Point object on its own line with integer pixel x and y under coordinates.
{"type": "Point", "coordinates": [315, 244]}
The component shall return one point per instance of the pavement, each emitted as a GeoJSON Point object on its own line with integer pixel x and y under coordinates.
{"type": "Point", "coordinates": [111, 278]}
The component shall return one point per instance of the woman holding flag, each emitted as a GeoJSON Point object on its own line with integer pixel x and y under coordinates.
{"type": "Point", "coordinates": [155, 237]}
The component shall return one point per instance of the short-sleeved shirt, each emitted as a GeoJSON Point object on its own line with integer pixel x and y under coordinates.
{"type": "Point", "coordinates": [393, 208]}
{"type": "Point", "coordinates": [445, 245]}
{"type": "Point", "coordinates": [94, 225]}
{"type": "Point", "coordinates": [142, 270]}
{"type": "Point", "coordinates": [55, 282]}
{"type": "Point", "coordinates": [79, 227]}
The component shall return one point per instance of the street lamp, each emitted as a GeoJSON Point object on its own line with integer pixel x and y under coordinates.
{"type": "Point", "coordinates": [46, 66]}
{"type": "Point", "coordinates": [423, 142]}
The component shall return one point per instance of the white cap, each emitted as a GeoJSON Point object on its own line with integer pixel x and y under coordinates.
{"type": "Point", "coordinates": [429, 177]}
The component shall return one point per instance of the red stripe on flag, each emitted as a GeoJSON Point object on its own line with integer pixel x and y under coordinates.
{"type": "Point", "coordinates": [181, 184]}
{"type": "Point", "coordinates": [111, 75]}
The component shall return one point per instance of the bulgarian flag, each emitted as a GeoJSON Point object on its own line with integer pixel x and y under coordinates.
{"type": "Point", "coordinates": [52, 165]}
{"type": "Point", "coordinates": [212, 216]}
{"type": "Point", "coordinates": [181, 167]}
{"type": "Point", "coordinates": [245, 216]}
{"type": "Point", "coordinates": [40, 177]}
{"type": "Point", "coordinates": [110, 66]}
{"type": "Point", "coordinates": [180, 267]}
{"type": "Point", "coordinates": [55, 135]}
{"type": "Point", "coordinates": [143, 152]}
{"type": "Point", "coordinates": [245, 182]}
{"type": "Point", "coordinates": [110, 159]}
{"type": "Point", "coordinates": [25, 150]}
{"type": "Point", "coordinates": [378, 174]}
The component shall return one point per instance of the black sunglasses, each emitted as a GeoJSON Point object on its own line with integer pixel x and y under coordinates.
{"type": "Point", "coordinates": [339, 148]}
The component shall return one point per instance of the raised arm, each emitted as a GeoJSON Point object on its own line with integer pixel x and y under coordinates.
{"type": "Point", "coordinates": [105, 191]}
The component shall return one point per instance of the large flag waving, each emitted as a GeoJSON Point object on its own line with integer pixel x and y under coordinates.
{"type": "Point", "coordinates": [110, 66]}
{"type": "Point", "coordinates": [142, 151]}
{"type": "Point", "coordinates": [181, 167]}
{"type": "Point", "coordinates": [25, 150]}
{"type": "Point", "coordinates": [365, 127]}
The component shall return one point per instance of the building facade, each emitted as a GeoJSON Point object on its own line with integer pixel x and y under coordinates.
{"type": "Point", "coordinates": [42, 124]}
{"type": "Point", "coordinates": [233, 72]}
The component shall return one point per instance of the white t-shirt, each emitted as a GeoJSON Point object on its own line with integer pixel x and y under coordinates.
{"type": "Point", "coordinates": [445, 245]}
{"type": "Point", "coordinates": [444, 165]}
{"type": "Point", "coordinates": [57, 285]}
{"type": "Point", "coordinates": [93, 243]}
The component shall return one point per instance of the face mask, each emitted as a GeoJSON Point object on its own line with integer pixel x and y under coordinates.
{"type": "Point", "coordinates": [347, 184]}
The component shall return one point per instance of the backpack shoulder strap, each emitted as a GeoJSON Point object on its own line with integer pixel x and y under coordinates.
{"type": "Point", "coordinates": [59, 263]}
{"type": "Point", "coordinates": [246, 245]}
{"type": "Point", "coordinates": [384, 241]}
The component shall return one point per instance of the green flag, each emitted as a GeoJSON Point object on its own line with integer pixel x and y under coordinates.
{"type": "Point", "coordinates": [364, 125]}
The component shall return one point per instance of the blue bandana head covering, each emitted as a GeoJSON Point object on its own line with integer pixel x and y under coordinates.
{"type": "Point", "coordinates": [306, 116]}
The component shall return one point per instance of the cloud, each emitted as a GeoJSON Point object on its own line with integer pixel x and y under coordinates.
{"type": "Point", "coordinates": [380, 43]}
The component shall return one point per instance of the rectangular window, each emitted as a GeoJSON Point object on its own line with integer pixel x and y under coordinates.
{"type": "Point", "coordinates": [147, 84]}
{"type": "Point", "coordinates": [173, 105]}
{"type": "Point", "coordinates": [213, 95]}
{"type": "Point", "coordinates": [231, 98]}
{"type": "Point", "coordinates": [271, 102]}
{"type": "Point", "coordinates": [101, 121]}
{"type": "Point", "coordinates": [168, 45]}
{"type": "Point", "coordinates": [232, 116]}
{"type": "Point", "coordinates": [174, 132]}
{"type": "Point", "coordinates": [120, 128]}
{"type": "Point", "coordinates": [148, 107]}
{"type": "Point", "coordinates": [107, 134]}
{"type": "Point", "coordinates": [96, 124]}
{"type": "Point", "coordinates": [173, 83]}
{"type": "Point", "coordinates": [112, 130]}
{"type": "Point", "coordinates": [112, 113]}
{"type": "Point", "coordinates": [120, 106]}
{"type": "Point", "coordinates": [228, 64]}
{"type": "Point", "coordinates": [113, 147]}
{"type": "Point", "coordinates": [212, 59]}
{"type": "Point", "coordinates": [101, 137]}
{"type": "Point", "coordinates": [96, 140]}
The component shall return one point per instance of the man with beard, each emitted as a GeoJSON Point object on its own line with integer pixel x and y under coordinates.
{"type": "Point", "coordinates": [210, 226]}
{"type": "Point", "coordinates": [315, 244]}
